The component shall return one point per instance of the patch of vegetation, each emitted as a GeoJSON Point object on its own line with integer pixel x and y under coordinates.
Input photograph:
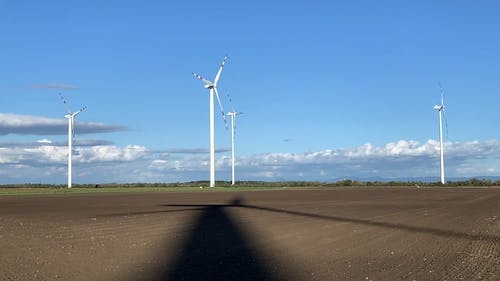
{"type": "Point", "coordinates": [197, 186]}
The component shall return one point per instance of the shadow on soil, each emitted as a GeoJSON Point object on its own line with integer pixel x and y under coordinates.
{"type": "Point", "coordinates": [215, 250]}
{"type": "Point", "coordinates": [428, 230]}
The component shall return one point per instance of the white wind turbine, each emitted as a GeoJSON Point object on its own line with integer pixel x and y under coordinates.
{"type": "Point", "coordinates": [212, 86]}
{"type": "Point", "coordinates": [71, 134]}
{"type": "Point", "coordinates": [440, 109]}
{"type": "Point", "coordinates": [233, 115]}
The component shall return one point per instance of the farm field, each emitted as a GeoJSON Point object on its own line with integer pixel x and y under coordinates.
{"type": "Point", "coordinates": [294, 234]}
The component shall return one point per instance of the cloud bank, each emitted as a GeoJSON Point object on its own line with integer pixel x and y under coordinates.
{"type": "Point", "coordinates": [402, 159]}
{"type": "Point", "coordinates": [98, 162]}
{"type": "Point", "coordinates": [195, 150]}
{"type": "Point", "coordinates": [36, 125]}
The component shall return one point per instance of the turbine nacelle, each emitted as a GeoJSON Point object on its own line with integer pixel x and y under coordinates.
{"type": "Point", "coordinates": [72, 115]}
{"type": "Point", "coordinates": [439, 107]}
{"type": "Point", "coordinates": [208, 84]}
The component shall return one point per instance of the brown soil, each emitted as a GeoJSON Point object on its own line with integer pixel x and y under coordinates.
{"type": "Point", "coordinates": [331, 234]}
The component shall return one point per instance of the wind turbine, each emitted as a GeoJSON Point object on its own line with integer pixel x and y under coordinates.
{"type": "Point", "coordinates": [440, 109]}
{"type": "Point", "coordinates": [212, 86]}
{"type": "Point", "coordinates": [233, 115]}
{"type": "Point", "coordinates": [71, 134]}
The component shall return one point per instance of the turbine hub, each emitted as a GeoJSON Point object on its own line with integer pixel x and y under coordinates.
{"type": "Point", "coordinates": [438, 107]}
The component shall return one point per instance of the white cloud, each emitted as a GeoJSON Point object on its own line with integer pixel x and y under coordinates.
{"type": "Point", "coordinates": [46, 162]}
{"type": "Point", "coordinates": [159, 163]}
{"type": "Point", "coordinates": [402, 159]}
{"type": "Point", "coordinates": [35, 144]}
{"type": "Point", "coordinates": [50, 154]}
{"type": "Point", "coordinates": [45, 153]}
{"type": "Point", "coordinates": [195, 150]}
{"type": "Point", "coordinates": [38, 125]}
{"type": "Point", "coordinates": [44, 141]}
{"type": "Point", "coordinates": [111, 153]}
{"type": "Point", "coordinates": [368, 152]}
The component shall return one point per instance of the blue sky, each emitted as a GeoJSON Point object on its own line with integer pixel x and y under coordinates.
{"type": "Point", "coordinates": [323, 84]}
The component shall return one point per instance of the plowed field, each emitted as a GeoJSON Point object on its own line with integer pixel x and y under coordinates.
{"type": "Point", "coordinates": [321, 234]}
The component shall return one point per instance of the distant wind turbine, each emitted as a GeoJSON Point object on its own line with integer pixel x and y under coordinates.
{"type": "Point", "coordinates": [71, 134]}
{"type": "Point", "coordinates": [233, 115]}
{"type": "Point", "coordinates": [440, 109]}
{"type": "Point", "coordinates": [212, 86]}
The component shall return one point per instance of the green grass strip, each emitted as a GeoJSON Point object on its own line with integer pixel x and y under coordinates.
{"type": "Point", "coordinates": [76, 190]}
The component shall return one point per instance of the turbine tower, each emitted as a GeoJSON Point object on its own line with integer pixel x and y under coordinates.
{"type": "Point", "coordinates": [440, 109]}
{"type": "Point", "coordinates": [233, 115]}
{"type": "Point", "coordinates": [212, 86]}
{"type": "Point", "coordinates": [71, 134]}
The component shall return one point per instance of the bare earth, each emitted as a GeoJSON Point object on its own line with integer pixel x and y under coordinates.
{"type": "Point", "coordinates": [328, 234]}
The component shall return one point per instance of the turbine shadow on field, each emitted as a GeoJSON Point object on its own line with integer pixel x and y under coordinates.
{"type": "Point", "coordinates": [427, 230]}
{"type": "Point", "coordinates": [420, 229]}
{"type": "Point", "coordinates": [149, 212]}
{"type": "Point", "coordinates": [216, 249]}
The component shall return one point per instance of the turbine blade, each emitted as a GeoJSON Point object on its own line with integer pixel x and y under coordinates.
{"type": "Point", "coordinates": [79, 111]}
{"type": "Point", "coordinates": [236, 114]}
{"type": "Point", "coordinates": [73, 130]}
{"type": "Point", "coordinates": [442, 92]}
{"type": "Point", "coordinates": [220, 71]}
{"type": "Point", "coordinates": [220, 106]}
{"type": "Point", "coordinates": [65, 103]}
{"type": "Point", "coordinates": [445, 125]}
{"type": "Point", "coordinates": [234, 126]}
{"type": "Point", "coordinates": [230, 102]}
{"type": "Point", "coordinates": [73, 121]}
{"type": "Point", "coordinates": [203, 79]}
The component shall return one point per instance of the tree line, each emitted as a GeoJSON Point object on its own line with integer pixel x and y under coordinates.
{"type": "Point", "coordinates": [277, 184]}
